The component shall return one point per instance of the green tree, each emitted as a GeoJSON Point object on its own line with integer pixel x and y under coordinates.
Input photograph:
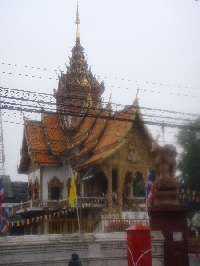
{"type": "Point", "coordinates": [189, 166]}
{"type": "Point", "coordinates": [189, 161]}
{"type": "Point", "coordinates": [139, 186]}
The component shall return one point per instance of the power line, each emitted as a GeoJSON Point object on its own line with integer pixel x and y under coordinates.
{"type": "Point", "coordinates": [9, 105]}
{"type": "Point", "coordinates": [119, 87]}
{"type": "Point", "coordinates": [71, 113]}
{"type": "Point", "coordinates": [6, 91]}
{"type": "Point", "coordinates": [31, 67]}
{"type": "Point", "coordinates": [116, 78]}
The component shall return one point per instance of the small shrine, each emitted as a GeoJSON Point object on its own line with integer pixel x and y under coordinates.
{"type": "Point", "coordinates": [167, 215]}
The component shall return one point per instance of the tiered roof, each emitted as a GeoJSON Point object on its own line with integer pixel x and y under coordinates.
{"type": "Point", "coordinates": [81, 126]}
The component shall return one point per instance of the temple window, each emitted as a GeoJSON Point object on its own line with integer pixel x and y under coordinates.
{"type": "Point", "coordinates": [54, 189]}
{"type": "Point", "coordinates": [55, 193]}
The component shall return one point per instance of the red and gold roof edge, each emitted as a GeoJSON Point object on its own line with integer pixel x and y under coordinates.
{"type": "Point", "coordinates": [55, 138]}
{"type": "Point", "coordinates": [45, 153]}
{"type": "Point", "coordinates": [99, 157]}
{"type": "Point", "coordinates": [101, 154]}
{"type": "Point", "coordinates": [92, 138]}
{"type": "Point", "coordinates": [146, 130]}
{"type": "Point", "coordinates": [110, 135]}
{"type": "Point", "coordinates": [86, 126]}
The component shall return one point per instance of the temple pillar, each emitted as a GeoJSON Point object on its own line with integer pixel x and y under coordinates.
{"type": "Point", "coordinates": [110, 188]}
{"type": "Point", "coordinates": [108, 173]}
{"type": "Point", "coordinates": [41, 184]}
{"type": "Point", "coordinates": [121, 174]}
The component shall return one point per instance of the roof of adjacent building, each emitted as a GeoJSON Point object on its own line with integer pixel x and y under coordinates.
{"type": "Point", "coordinates": [14, 191]}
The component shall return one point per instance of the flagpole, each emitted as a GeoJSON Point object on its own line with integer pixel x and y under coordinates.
{"type": "Point", "coordinates": [81, 179]}
{"type": "Point", "coordinates": [146, 194]}
{"type": "Point", "coordinates": [79, 228]}
{"type": "Point", "coordinates": [73, 197]}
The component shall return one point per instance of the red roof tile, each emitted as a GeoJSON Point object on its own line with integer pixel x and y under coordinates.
{"type": "Point", "coordinates": [36, 137]}
{"type": "Point", "coordinates": [54, 133]}
{"type": "Point", "coordinates": [115, 130]}
{"type": "Point", "coordinates": [44, 158]}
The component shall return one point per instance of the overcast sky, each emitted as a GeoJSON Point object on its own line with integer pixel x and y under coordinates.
{"type": "Point", "coordinates": [153, 44]}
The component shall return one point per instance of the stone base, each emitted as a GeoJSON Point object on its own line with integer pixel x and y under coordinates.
{"type": "Point", "coordinates": [171, 220]}
{"type": "Point", "coordinates": [166, 184]}
{"type": "Point", "coordinates": [166, 198]}
{"type": "Point", "coordinates": [166, 192]}
{"type": "Point", "coordinates": [56, 250]}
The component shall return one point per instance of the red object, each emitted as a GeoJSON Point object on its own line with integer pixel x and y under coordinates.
{"type": "Point", "coordinates": [139, 246]}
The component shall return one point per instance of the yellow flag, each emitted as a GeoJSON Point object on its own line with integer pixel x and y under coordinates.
{"type": "Point", "coordinates": [72, 192]}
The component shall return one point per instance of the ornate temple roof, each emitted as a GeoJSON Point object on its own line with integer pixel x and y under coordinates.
{"type": "Point", "coordinates": [54, 134]}
{"type": "Point", "coordinates": [35, 147]}
{"type": "Point", "coordinates": [112, 137]}
{"type": "Point", "coordinates": [81, 131]}
{"type": "Point", "coordinates": [76, 85]}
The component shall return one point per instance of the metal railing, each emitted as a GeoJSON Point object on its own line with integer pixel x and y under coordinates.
{"type": "Point", "coordinates": [41, 204]}
{"type": "Point", "coordinates": [69, 226]}
{"type": "Point", "coordinates": [59, 204]}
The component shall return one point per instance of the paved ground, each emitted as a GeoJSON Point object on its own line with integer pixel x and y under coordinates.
{"type": "Point", "coordinates": [194, 261]}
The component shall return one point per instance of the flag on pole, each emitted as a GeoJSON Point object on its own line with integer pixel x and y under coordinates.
{"type": "Point", "coordinates": [72, 192]}
{"type": "Point", "coordinates": [1, 191]}
{"type": "Point", "coordinates": [150, 189]}
{"type": "Point", "coordinates": [5, 224]}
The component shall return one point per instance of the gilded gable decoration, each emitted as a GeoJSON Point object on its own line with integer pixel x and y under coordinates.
{"type": "Point", "coordinates": [133, 155]}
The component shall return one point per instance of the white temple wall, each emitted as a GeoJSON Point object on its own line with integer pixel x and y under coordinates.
{"type": "Point", "coordinates": [32, 176]}
{"type": "Point", "coordinates": [63, 173]}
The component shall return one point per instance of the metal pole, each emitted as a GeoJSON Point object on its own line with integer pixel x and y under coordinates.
{"type": "Point", "coordinates": [81, 179]}
{"type": "Point", "coordinates": [146, 195]}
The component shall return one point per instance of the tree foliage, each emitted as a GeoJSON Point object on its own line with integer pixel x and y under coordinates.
{"type": "Point", "coordinates": [139, 186]}
{"type": "Point", "coordinates": [189, 161]}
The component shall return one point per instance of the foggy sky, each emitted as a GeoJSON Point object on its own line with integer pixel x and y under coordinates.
{"type": "Point", "coordinates": [153, 45]}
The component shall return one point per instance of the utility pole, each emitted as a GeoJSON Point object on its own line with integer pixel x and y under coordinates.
{"type": "Point", "coordinates": [81, 180]}
{"type": "Point", "coordinates": [2, 157]}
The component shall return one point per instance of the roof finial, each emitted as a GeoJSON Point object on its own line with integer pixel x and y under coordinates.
{"type": "Point", "coordinates": [138, 89]}
{"type": "Point", "coordinates": [77, 22]}
{"type": "Point", "coordinates": [110, 97]}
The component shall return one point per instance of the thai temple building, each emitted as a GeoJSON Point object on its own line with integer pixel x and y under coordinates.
{"type": "Point", "coordinates": [108, 151]}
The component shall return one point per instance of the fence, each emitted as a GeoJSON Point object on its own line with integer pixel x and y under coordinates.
{"type": "Point", "coordinates": [59, 204]}
{"type": "Point", "coordinates": [69, 226]}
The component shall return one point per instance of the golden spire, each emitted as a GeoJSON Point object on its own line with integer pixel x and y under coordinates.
{"type": "Point", "coordinates": [77, 22]}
